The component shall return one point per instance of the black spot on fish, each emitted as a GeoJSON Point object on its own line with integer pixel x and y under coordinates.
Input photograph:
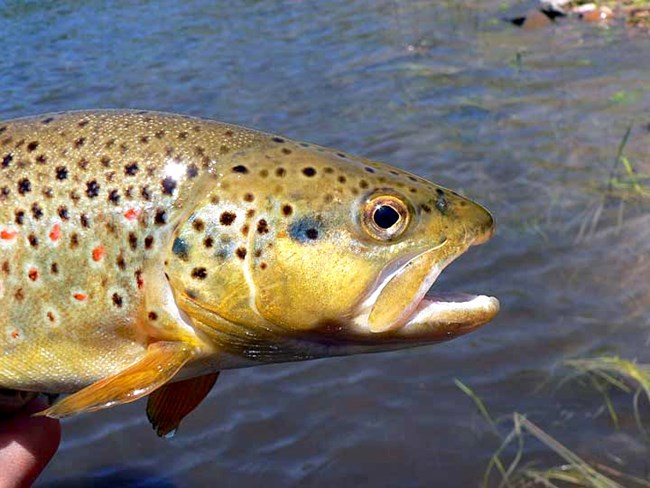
{"type": "Point", "coordinates": [262, 227]}
{"type": "Point", "coordinates": [198, 225]}
{"type": "Point", "coordinates": [37, 211]}
{"type": "Point", "coordinates": [181, 249]}
{"type": "Point", "coordinates": [131, 169]}
{"type": "Point", "coordinates": [161, 217]}
{"type": "Point", "coordinates": [24, 186]}
{"type": "Point", "coordinates": [240, 168]}
{"type": "Point", "coordinates": [92, 189]}
{"type": "Point", "coordinates": [114, 197]}
{"type": "Point", "coordinates": [227, 218]}
{"type": "Point", "coordinates": [117, 300]}
{"type": "Point", "coordinates": [168, 185]}
{"type": "Point", "coordinates": [199, 273]}
{"type": "Point", "coordinates": [133, 241]}
{"type": "Point", "coordinates": [63, 213]}
{"type": "Point", "coordinates": [61, 173]}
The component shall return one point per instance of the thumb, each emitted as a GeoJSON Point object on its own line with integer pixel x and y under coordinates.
{"type": "Point", "coordinates": [26, 445]}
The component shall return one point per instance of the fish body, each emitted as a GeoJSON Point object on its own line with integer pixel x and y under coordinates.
{"type": "Point", "coordinates": [141, 253]}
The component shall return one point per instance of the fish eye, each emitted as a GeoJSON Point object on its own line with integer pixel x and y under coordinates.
{"type": "Point", "coordinates": [385, 217]}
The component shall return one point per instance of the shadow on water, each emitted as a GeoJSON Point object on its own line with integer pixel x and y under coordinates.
{"type": "Point", "coordinates": [111, 477]}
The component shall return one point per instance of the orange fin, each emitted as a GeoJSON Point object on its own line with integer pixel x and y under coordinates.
{"type": "Point", "coordinates": [168, 405]}
{"type": "Point", "coordinates": [159, 364]}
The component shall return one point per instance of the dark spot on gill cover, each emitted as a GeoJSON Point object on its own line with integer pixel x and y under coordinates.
{"type": "Point", "coordinates": [181, 249]}
{"type": "Point", "coordinates": [199, 273]}
{"type": "Point", "coordinates": [305, 229]}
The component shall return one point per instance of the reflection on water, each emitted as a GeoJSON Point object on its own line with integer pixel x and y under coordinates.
{"type": "Point", "coordinates": [527, 123]}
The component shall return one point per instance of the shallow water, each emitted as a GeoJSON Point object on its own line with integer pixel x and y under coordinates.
{"type": "Point", "coordinates": [527, 123]}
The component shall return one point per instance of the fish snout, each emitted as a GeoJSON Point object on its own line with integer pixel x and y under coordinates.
{"type": "Point", "coordinates": [485, 227]}
{"type": "Point", "coordinates": [479, 223]}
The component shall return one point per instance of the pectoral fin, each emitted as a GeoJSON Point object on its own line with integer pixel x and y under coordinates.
{"type": "Point", "coordinates": [159, 364]}
{"type": "Point", "coordinates": [168, 405]}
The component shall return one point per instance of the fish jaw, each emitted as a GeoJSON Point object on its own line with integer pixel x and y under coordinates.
{"type": "Point", "coordinates": [403, 308]}
{"type": "Point", "coordinates": [445, 316]}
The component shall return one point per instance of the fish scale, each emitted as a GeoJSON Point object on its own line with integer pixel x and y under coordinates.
{"type": "Point", "coordinates": [145, 252]}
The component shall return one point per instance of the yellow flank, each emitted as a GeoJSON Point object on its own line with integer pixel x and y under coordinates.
{"type": "Point", "coordinates": [148, 247]}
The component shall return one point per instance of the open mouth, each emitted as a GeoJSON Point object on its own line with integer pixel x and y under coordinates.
{"type": "Point", "coordinates": [403, 304]}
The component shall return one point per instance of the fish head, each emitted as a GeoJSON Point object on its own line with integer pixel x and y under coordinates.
{"type": "Point", "coordinates": [311, 244]}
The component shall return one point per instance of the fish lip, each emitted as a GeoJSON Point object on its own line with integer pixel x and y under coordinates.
{"type": "Point", "coordinates": [431, 316]}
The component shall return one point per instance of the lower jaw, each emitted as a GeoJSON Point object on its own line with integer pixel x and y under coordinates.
{"type": "Point", "coordinates": [448, 315]}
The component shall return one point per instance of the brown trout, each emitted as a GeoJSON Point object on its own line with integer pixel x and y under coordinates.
{"type": "Point", "coordinates": [141, 253]}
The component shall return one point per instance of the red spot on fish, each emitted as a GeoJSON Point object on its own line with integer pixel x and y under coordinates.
{"type": "Point", "coordinates": [98, 253]}
{"type": "Point", "coordinates": [15, 334]}
{"type": "Point", "coordinates": [80, 297]}
{"type": "Point", "coordinates": [33, 274]}
{"type": "Point", "coordinates": [8, 235]}
{"type": "Point", "coordinates": [55, 233]}
{"type": "Point", "coordinates": [131, 214]}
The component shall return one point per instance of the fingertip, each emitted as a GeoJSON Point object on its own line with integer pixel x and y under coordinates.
{"type": "Point", "coordinates": [27, 444]}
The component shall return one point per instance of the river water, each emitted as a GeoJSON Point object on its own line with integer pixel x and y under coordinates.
{"type": "Point", "coordinates": [526, 122]}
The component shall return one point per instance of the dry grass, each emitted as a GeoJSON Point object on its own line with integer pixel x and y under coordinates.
{"type": "Point", "coordinates": [508, 469]}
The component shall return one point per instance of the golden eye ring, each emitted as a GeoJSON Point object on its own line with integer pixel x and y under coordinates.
{"type": "Point", "coordinates": [385, 216]}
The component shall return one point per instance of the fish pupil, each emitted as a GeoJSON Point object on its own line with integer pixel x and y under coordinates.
{"type": "Point", "coordinates": [385, 216]}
